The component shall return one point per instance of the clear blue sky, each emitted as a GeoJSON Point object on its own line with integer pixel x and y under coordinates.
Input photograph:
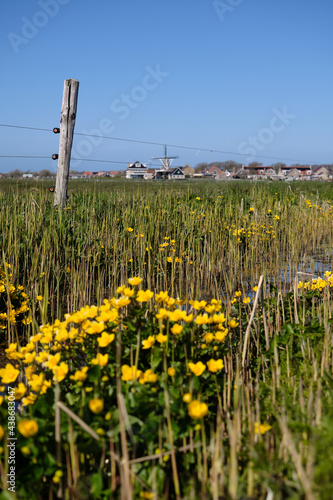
{"type": "Point", "coordinates": [242, 76]}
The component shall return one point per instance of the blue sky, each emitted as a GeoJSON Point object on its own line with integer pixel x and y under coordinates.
{"type": "Point", "coordinates": [252, 78]}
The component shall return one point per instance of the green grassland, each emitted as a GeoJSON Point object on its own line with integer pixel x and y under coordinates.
{"type": "Point", "coordinates": [190, 383]}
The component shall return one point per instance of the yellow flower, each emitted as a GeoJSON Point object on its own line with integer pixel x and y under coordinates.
{"type": "Point", "coordinates": [100, 359]}
{"type": "Point", "coordinates": [187, 398]}
{"type": "Point", "coordinates": [25, 450]}
{"type": "Point", "coordinates": [108, 416]}
{"type": "Point", "coordinates": [233, 323]}
{"type": "Point", "coordinates": [60, 372]}
{"type": "Point", "coordinates": [201, 320]}
{"type": "Point", "coordinates": [39, 297]}
{"type": "Point", "coordinates": [20, 391]}
{"type": "Point", "coordinates": [148, 376]}
{"type": "Point", "coordinates": [29, 371]}
{"type": "Point", "coordinates": [36, 382]}
{"type": "Point", "coordinates": [95, 327]}
{"type": "Point", "coordinates": [220, 336]}
{"type": "Point", "coordinates": [129, 229]}
{"type": "Point", "coordinates": [197, 368]}
{"type": "Point", "coordinates": [96, 405]}
{"type": "Point", "coordinates": [29, 358]}
{"type": "Point", "coordinates": [105, 339]}
{"type": "Point", "coordinates": [149, 342]}
{"type": "Point", "coordinates": [46, 386]}
{"type": "Point", "coordinates": [161, 297]}
{"type": "Point", "coordinates": [128, 292]}
{"type": "Point", "coordinates": [209, 337]}
{"type": "Point", "coordinates": [144, 296]}
{"type": "Point", "coordinates": [171, 371]}
{"type": "Point", "coordinates": [246, 300]}
{"type": "Point", "coordinates": [262, 429]}
{"type": "Point", "coordinates": [177, 329]}
{"type": "Point", "coordinates": [197, 305]}
{"type": "Point", "coordinates": [197, 410]}
{"type": "Point", "coordinates": [218, 318]}
{"type": "Point", "coordinates": [29, 400]}
{"type": "Point", "coordinates": [9, 374]}
{"type": "Point", "coordinates": [42, 357]}
{"type": "Point", "coordinates": [80, 375]}
{"type": "Point", "coordinates": [27, 428]}
{"type": "Point", "coordinates": [53, 361]}
{"type": "Point", "coordinates": [161, 338]}
{"type": "Point", "coordinates": [2, 432]}
{"type": "Point", "coordinates": [215, 366]}
{"type": "Point", "coordinates": [134, 281]}
{"type": "Point", "coordinates": [129, 373]}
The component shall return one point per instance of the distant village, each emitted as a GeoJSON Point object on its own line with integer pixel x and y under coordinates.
{"type": "Point", "coordinates": [220, 171]}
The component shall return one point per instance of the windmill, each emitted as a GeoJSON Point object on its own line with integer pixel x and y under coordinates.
{"type": "Point", "coordinates": [166, 160]}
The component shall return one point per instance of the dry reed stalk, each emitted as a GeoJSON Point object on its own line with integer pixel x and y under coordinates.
{"type": "Point", "coordinates": [296, 458]}
{"type": "Point", "coordinates": [247, 333]}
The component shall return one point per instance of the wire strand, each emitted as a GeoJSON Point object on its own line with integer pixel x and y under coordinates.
{"type": "Point", "coordinates": [177, 146]}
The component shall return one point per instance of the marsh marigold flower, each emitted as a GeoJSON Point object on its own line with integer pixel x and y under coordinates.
{"type": "Point", "coordinates": [130, 373]}
{"type": "Point", "coordinates": [9, 374]}
{"type": "Point", "coordinates": [134, 281]}
{"type": "Point", "coordinates": [215, 366]}
{"type": "Point", "coordinates": [233, 323]}
{"type": "Point", "coordinates": [105, 339]}
{"type": "Point", "coordinates": [60, 372]}
{"type": "Point", "coordinates": [197, 410]}
{"type": "Point", "coordinates": [96, 405]}
{"type": "Point", "coordinates": [197, 368]}
{"type": "Point", "coordinates": [177, 329]}
{"type": "Point", "coordinates": [187, 398]}
{"type": "Point", "coordinates": [27, 428]}
{"type": "Point", "coordinates": [144, 296]}
{"type": "Point", "coordinates": [149, 342]}
{"type": "Point", "coordinates": [201, 320]}
{"type": "Point", "coordinates": [80, 375]}
{"type": "Point", "coordinates": [100, 359]}
{"type": "Point", "coordinates": [261, 429]}
{"type": "Point", "coordinates": [161, 338]}
{"type": "Point", "coordinates": [20, 391]}
{"type": "Point", "coordinates": [171, 371]}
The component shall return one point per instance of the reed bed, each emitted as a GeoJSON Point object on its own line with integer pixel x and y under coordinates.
{"type": "Point", "coordinates": [206, 375]}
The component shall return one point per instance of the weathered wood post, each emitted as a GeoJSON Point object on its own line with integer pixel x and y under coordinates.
{"type": "Point", "coordinates": [67, 123]}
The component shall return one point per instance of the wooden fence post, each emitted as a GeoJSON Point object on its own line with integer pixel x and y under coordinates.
{"type": "Point", "coordinates": [67, 123]}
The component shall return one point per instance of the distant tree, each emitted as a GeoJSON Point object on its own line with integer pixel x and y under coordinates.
{"type": "Point", "coordinates": [278, 166]}
{"type": "Point", "coordinates": [231, 165]}
{"type": "Point", "coordinates": [15, 173]}
{"type": "Point", "coordinates": [255, 164]}
{"type": "Point", "coordinates": [201, 166]}
{"type": "Point", "coordinates": [45, 173]}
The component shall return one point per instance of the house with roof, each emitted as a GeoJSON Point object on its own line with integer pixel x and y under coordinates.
{"type": "Point", "coordinates": [214, 171]}
{"type": "Point", "coordinates": [136, 170]}
{"type": "Point", "coordinates": [320, 172]}
{"type": "Point", "coordinates": [221, 175]}
{"type": "Point", "coordinates": [171, 174]}
{"type": "Point", "coordinates": [188, 171]}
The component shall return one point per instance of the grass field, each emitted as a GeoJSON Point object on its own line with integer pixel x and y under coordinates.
{"type": "Point", "coordinates": [186, 347]}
